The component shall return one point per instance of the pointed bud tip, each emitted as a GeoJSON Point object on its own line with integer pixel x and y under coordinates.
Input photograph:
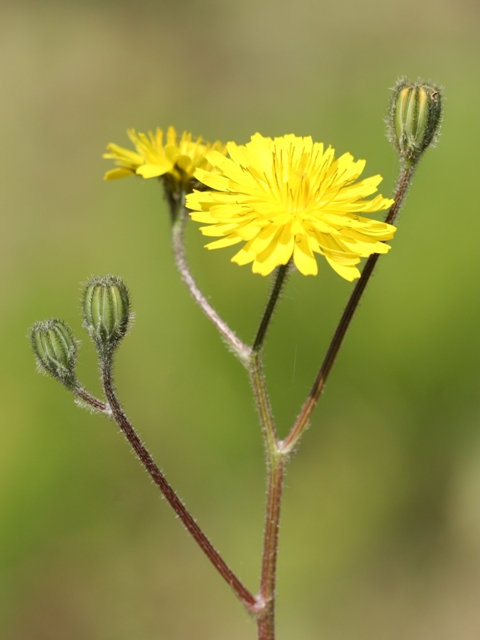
{"type": "Point", "coordinates": [106, 312]}
{"type": "Point", "coordinates": [55, 349]}
{"type": "Point", "coordinates": [414, 117]}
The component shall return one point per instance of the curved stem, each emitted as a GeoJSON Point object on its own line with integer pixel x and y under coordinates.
{"type": "Point", "coordinates": [248, 600]}
{"type": "Point", "coordinates": [303, 419]}
{"type": "Point", "coordinates": [241, 350]}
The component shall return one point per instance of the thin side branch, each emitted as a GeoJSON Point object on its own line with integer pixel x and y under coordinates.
{"type": "Point", "coordinates": [290, 442]}
{"type": "Point", "coordinates": [248, 600]}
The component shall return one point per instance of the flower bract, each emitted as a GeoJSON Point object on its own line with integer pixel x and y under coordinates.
{"type": "Point", "coordinates": [178, 156]}
{"type": "Point", "coordinates": [289, 198]}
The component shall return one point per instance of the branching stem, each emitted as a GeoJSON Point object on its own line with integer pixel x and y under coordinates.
{"type": "Point", "coordinates": [248, 600]}
{"type": "Point", "coordinates": [291, 441]}
{"type": "Point", "coordinates": [277, 452]}
{"type": "Point", "coordinates": [96, 404]}
{"type": "Point", "coordinates": [275, 466]}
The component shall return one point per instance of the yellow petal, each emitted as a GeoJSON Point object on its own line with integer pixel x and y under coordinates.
{"type": "Point", "coordinates": [152, 170]}
{"type": "Point", "coordinates": [224, 242]}
{"type": "Point", "coordinates": [120, 153]}
{"type": "Point", "coordinates": [348, 272]}
{"type": "Point", "coordinates": [304, 258]}
{"type": "Point", "coordinates": [285, 245]}
{"type": "Point", "coordinates": [116, 174]}
{"type": "Point", "coordinates": [211, 180]}
{"type": "Point", "coordinates": [219, 230]}
{"type": "Point", "coordinates": [262, 240]}
{"type": "Point", "coordinates": [202, 217]}
{"type": "Point", "coordinates": [244, 256]}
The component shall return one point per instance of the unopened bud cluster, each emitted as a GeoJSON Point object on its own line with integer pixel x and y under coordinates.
{"type": "Point", "coordinates": [106, 316]}
{"type": "Point", "coordinates": [414, 117]}
{"type": "Point", "coordinates": [106, 312]}
{"type": "Point", "coordinates": [55, 350]}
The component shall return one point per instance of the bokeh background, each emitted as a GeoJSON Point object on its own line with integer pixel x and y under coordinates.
{"type": "Point", "coordinates": [380, 522]}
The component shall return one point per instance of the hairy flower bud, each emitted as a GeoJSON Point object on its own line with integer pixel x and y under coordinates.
{"type": "Point", "coordinates": [106, 309]}
{"type": "Point", "coordinates": [55, 350]}
{"type": "Point", "coordinates": [415, 116]}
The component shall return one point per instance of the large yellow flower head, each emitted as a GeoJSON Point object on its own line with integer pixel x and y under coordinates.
{"type": "Point", "coordinates": [289, 197]}
{"type": "Point", "coordinates": [179, 157]}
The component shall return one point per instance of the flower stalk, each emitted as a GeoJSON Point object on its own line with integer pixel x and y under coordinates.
{"type": "Point", "coordinates": [180, 218]}
{"type": "Point", "coordinates": [302, 422]}
{"type": "Point", "coordinates": [280, 280]}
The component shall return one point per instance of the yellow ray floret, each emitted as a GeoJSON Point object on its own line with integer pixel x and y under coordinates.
{"type": "Point", "coordinates": [290, 198]}
{"type": "Point", "coordinates": [179, 156]}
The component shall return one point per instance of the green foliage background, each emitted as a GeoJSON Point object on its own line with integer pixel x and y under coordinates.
{"type": "Point", "coordinates": [380, 524]}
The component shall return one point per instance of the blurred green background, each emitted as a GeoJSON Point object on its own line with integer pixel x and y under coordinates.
{"type": "Point", "coordinates": [380, 522]}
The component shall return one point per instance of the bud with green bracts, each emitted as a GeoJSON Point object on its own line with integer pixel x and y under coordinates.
{"type": "Point", "coordinates": [106, 312]}
{"type": "Point", "coordinates": [414, 118]}
{"type": "Point", "coordinates": [55, 350]}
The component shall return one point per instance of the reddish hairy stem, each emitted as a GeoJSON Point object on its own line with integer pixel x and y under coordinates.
{"type": "Point", "coordinates": [266, 618]}
{"type": "Point", "coordinates": [311, 402]}
{"type": "Point", "coordinates": [248, 600]}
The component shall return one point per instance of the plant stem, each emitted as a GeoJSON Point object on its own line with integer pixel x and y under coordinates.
{"type": "Point", "coordinates": [266, 618]}
{"type": "Point", "coordinates": [241, 350]}
{"type": "Point", "coordinates": [262, 402]}
{"type": "Point", "coordinates": [92, 401]}
{"type": "Point", "coordinates": [278, 283]}
{"type": "Point", "coordinates": [265, 614]}
{"type": "Point", "coordinates": [403, 183]}
{"type": "Point", "coordinates": [263, 606]}
{"type": "Point", "coordinates": [248, 600]}
{"type": "Point", "coordinates": [275, 466]}
{"type": "Point", "coordinates": [290, 442]}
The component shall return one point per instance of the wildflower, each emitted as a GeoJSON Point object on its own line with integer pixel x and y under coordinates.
{"type": "Point", "coordinates": [178, 157]}
{"type": "Point", "coordinates": [289, 198]}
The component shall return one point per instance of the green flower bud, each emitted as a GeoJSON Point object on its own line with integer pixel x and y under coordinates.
{"type": "Point", "coordinates": [106, 309]}
{"type": "Point", "coordinates": [55, 350]}
{"type": "Point", "coordinates": [415, 116]}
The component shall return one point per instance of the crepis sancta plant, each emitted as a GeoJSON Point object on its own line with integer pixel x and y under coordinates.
{"type": "Point", "coordinates": [283, 201]}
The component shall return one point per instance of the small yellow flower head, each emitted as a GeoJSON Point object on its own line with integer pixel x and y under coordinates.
{"type": "Point", "coordinates": [289, 198]}
{"type": "Point", "coordinates": [152, 158]}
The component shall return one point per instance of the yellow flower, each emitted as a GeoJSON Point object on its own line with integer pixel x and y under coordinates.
{"type": "Point", "coordinates": [288, 197]}
{"type": "Point", "coordinates": [178, 157]}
